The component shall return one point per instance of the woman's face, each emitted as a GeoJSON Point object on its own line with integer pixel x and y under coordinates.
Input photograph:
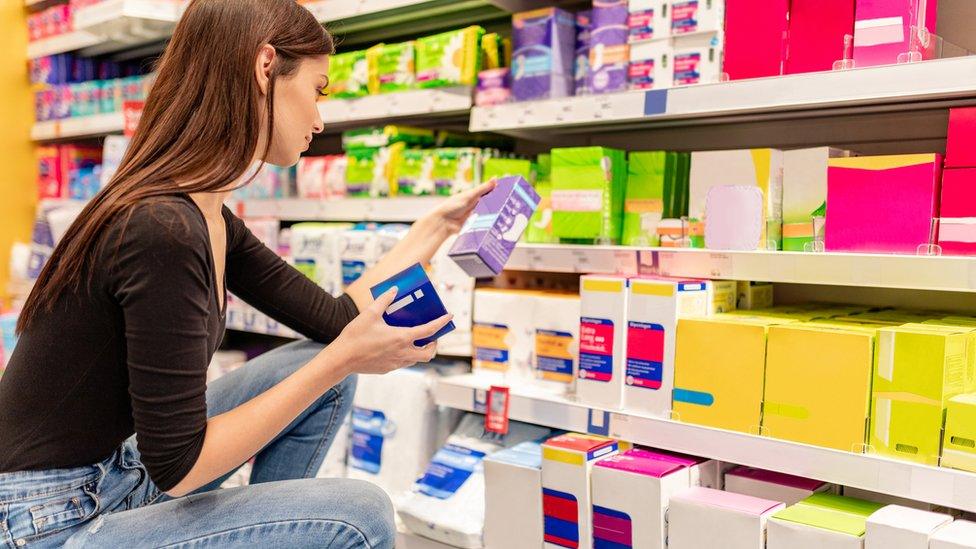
{"type": "Point", "coordinates": [296, 113]}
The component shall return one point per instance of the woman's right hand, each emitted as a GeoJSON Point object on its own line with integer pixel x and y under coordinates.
{"type": "Point", "coordinates": [368, 345]}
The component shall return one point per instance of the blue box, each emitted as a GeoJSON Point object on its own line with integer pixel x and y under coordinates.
{"type": "Point", "coordinates": [416, 302]}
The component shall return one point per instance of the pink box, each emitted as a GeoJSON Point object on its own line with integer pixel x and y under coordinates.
{"type": "Point", "coordinates": [882, 204]}
{"type": "Point", "coordinates": [957, 236]}
{"type": "Point", "coordinates": [754, 37]}
{"type": "Point", "coordinates": [961, 142]}
{"type": "Point", "coordinates": [958, 192]}
{"type": "Point", "coordinates": [701, 517]}
{"type": "Point", "coordinates": [817, 30]}
{"type": "Point", "coordinates": [882, 29]}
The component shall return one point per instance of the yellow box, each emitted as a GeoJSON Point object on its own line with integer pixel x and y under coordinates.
{"type": "Point", "coordinates": [720, 364]}
{"type": "Point", "coordinates": [818, 384]}
{"type": "Point", "coordinates": [959, 444]}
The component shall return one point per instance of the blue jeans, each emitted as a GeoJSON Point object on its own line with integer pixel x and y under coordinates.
{"type": "Point", "coordinates": [114, 503]}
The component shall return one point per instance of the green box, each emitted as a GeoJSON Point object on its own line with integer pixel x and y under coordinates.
{"type": "Point", "coordinates": [348, 75]}
{"type": "Point", "coordinates": [588, 187]}
{"type": "Point", "coordinates": [650, 177]}
{"type": "Point", "coordinates": [450, 58]}
{"type": "Point", "coordinates": [374, 138]}
{"type": "Point", "coordinates": [502, 167]}
{"type": "Point", "coordinates": [959, 445]}
{"type": "Point", "coordinates": [414, 172]}
{"type": "Point", "coordinates": [918, 368]}
{"type": "Point", "coordinates": [539, 230]}
{"type": "Point", "coordinates": [456, 169]}
{"type": "Point", "coordinates": [360, 166]}
{"type": "Point", "coordinates": [391, 67]}
{"type": "Point", "coordinates": [828, 515]}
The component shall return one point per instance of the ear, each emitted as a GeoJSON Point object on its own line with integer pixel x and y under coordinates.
{"type": "Point", "coordinates": [262, 66]}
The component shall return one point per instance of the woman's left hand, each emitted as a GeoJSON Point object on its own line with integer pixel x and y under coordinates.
{"type": "Point", "coordinates": [452, 214]}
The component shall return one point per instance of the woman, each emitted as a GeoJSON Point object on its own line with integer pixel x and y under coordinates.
{"type": "Point", "coordinates": [110, 437]}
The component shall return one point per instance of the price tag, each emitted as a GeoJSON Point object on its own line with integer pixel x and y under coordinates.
{"type": "Point", "coordinates": [480, 404]}
{"type": "Point", "coordinates": [131, 114]}
{"type": "Point", "coordinates": [496, 420]}
{"type": "Point", "coordinates": [598, 422]}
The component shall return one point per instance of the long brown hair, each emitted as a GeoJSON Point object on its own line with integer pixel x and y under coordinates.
{"type": "Point", "coordinates": [200, 127]}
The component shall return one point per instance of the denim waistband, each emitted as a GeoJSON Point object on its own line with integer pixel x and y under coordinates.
{"type": "Point", "coordinates": [22, 485]}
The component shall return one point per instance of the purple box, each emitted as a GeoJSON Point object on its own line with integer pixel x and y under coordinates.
{"type": "Point", "coordinates": [542, 59]}
{"type": "Point", "coordinates": [609, 53]}
{"type": "Point", "coordinates": [581, 70]}
{"type": "Point", "coordinates": [488, 237]}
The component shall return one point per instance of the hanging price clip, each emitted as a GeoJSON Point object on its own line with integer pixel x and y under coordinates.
{"type": "Point", "coordinates": [496, 420]}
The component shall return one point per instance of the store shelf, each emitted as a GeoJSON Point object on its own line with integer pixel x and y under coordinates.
{"type": "Point", "coordinates": [896, 87]}
{"type": "Point", "coordinates": [946, 273]}
{"type": "Point", "coordinates": [79, 126]}
{"type": "Point", "coordinates": [391, 210]}
{"type": "Point", "coordinates": [954, 489]}
{"type": "Point", "coordinates": [244, 318]}
{"type": "Point", "coordinates": [390, 107]}
{"type": "Point", "coordinates": [113, 25]}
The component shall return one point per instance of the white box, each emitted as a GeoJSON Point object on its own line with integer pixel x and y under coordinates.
{"type": "Point", "coordinates": [690, 16]}
{"type": "Point", "coordinates": [358, 250]}
{"type": "Point", "coordinates": [503, 334]}
{"type": "Point", "coordinates": [960, 534]}
{"type": "Point", "coordinates": [654, 306]}
{"type": "Point", "coordinates": [697, 59]}
{"type": "Point", "coordinates": [603, 338]}
{"type": "Point", "coordinates": [648, 20]}
{"type": "Point", "coordinates": [631, 492]}
{"type": "Point", "coordinates": [513, 497]}
{"type": "Point", "coordinates": [702, 518]}
{"type": "Point", "coordinates": [555, 354]}
{"type": "Point", "coordinates": [315, 252]}
{"type": "Point", "coordinates": [897, 527]}
{"type": "Point", "coordinates": [790, 535]}
{"type": "Point", "coordinates": [566, 464]}
{"type": "Point", "coordinates": [724, 295]}
{"type": "Point", "coordinates": [760, 483]}
{"type": "Point", "coordinates": [651, 65]}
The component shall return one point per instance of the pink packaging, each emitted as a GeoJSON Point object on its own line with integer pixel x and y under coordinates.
{"type": "Point", "coordinates": [817, 30]}
{"type": "Point", "coordinates": [957, 236]}
{"type": "Point", "coordinates": [882, 204]}
{"type": "Point", "coordinates": [883, 29]}
{"type": "Point", "coordinates": [961, 141]}
{"type": "Point", "coordinates": [755, 31]}
{"type": "Point", "coordinates": [958, 192]}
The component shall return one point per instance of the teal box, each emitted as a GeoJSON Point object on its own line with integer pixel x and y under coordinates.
{"type": "Point", "coordinates": [588, 188]}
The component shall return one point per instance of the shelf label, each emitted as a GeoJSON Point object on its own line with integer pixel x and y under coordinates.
{"type": "Point", "coordinates": [480, 401]}
{"type": "Point", "coordinates": [655, 102]}
{"type": "Point", "coordinates": [598, 422]}
{"type": "Point", "coordinates": [496, 420]}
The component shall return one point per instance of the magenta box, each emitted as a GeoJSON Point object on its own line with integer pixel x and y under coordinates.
{"type": "Point", "coordinates": [755, 31]}
{"type": "Point", "coordinates": [817, 30]}
{"type": "Point", "coordinates": [882, 29]}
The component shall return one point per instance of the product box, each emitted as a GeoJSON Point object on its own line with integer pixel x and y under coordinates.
{"type": "Point", "coordinates": [581, 66]}
{"type": "Point", "coordinates": [488, 237]}
{"type": "Point", "coordinates": [566, 501]}
{"type": "Point", "coordinates": [734, 218]}
{"type": "Point", "coordinates": [805, 196]}
{"type": "Point", "coordinates": [651, 65]}
{"type": "Point", "coordinates": [719, 369]}
{"type": "Point", "coordinates": [540, 225]}
{"type": "Point", "coordinates": [754, 295]}
{"type": "Point", "coordinates": [883, 33]}
{"type": "Point", "coordinates": [648, 175]}
{"type": "Point", "coordinates": [919, 368]}
{"type": "Point", "coordinates": [896, 527]}
{"type": "Point", "coordinates": [959, 534]}
{"type": "Point", "coordinates": [817, 31]}
{"type": "Point", "coordinates": [391, 67]}
{"type": "Point", "coordinates": [494, 87]}
{"type": "Point", "coordinates": [754, 37]}
{"type": "Point", "coordinates": [508, 167]}
{"type": "Point", "coordinates": [360, 166]}
{"type": "Point", "coordinates": [543, 50]}
{"type": "Point", "coordinates": [761, 168]}
{"type": "Point", "coordinates": [315, 252]}
{"type": "Point", "coordinates": [456, 169]}
{"type": "Point", "coordinates": [725, 296]}
{"type": "Point", "coordinates": [888, 499]}
{"type": "Point", "coordinates": [556, 325]}
{"type": "Point", "coordinates": [513, 497]}
{"type": "Point", "coordinates": [416, 302]}
{"type": "Point", "coordinates": [609, 55]}
{"type": "Point", "coordinates": [348, 75]}
{"type": "Point", "coordinates": [958, 193]}
{"type": "Point", "coordinates": [648, 20]}
{"type": "Point", "coordinates": [804, 362]}
{"type": "Point", "coordinates": [695, 16]}
{"type": "Point", "coordinates": [603, 337]}
{"type": "Point", "coordinates": [358, 251]}
{"type": "Point", "coordinates": [504, 341]}
{"type": "Point", "coordinates": [588, 189]}
{"type": "Point", "coordinates": [415, 172]}
{"type": "Point", "coordinates": [882, 204]}
{"type": "Point", "coordinates": [631, 492]}
{"type": "Point", "coordinates": [702, 517]}
{"type": "Point", "coordinates": [653, 309]}
{"type": "Point", "coordinates": [450, 58]}
{"type": "Point", "coordinates": [821, 521]}
{"type": "Point", "coordinates": [959, 442]}
{"type": "Point", "coordinates": [697, 59]}
{"type": "Point", "coordinates": [961, 140]}
{"type": "Point", "coordinates": [760, 483]}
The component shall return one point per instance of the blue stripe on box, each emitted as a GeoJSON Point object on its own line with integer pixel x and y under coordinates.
{"type": "Point", "coordinates": [655, 102]}
{"type": "Point", "coordinates": [562, 529]}
{"type": "Point", "coordinates": [693, 397]}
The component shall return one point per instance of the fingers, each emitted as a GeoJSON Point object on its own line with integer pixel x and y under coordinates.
{"type": "Point", "coordinates": [484, 188]}
{"type": "Point", "coordinates": [425, 353]}
{"type": "Point", "coordinates": [429, 329]}
{"type": "Point", "coordinates": [383, 302]}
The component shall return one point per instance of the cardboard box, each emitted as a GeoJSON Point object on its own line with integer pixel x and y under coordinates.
{"type": "Point", "coordinates": [566, 503]}
{"type": "Point", "coordinates": [817, 31]}
{"type": "Point", "coordinates": [651, 65]}
{"type": "Point", "coordinates": [960, 534]}
{"type": "Point", "coordinates": [694, 16]}
{"type": "Point", "coordinates": [488, 237]}
{"type": "Point", "coordinates": [315, 252]}
{"type": "Point", "coordinates": [734, 218]}
{"type": "Point", "coordinates": [754, 295]}
{"type": "Point", "coordinates": [609, 53]}
{"type": "Point", "coordinates": [654, 307]}
{"type": "Point", "coordinates": [754, 31]}
{"type": "Point", "coordinates": [358, 251]}
{"type": "Point", "coordinates": [416, 302]}
{"type": "Point", "coordinates": [805, 193]}
{"type": "Point", "coordinates": [803, 364]}
{"type": "Point", "coordinates": [648, 176]}
{"type": "Point", "coordinates": [631, 492]}
{"type": "Point", "coordinates": [771, 485]}
{"type": "Point", "coordinates": [719, 368]}
{"type": "Point", "coordinates": [883, 33]}
{"type": "Point", "coordinates": [821, 521]}
{"type": "Point", "coordinates": [958, 193]}
{"type": "Point", "coordinates": [959, 442]}
{"type": "Point", "coordinates": [919, 367]}
{"type": "Point", "coordinates": [882, 204]}
{"type": "Point", "coordinates": [701, 517]}
{"type": "Point", "coordinates": [697, 59]}
{"type": "Point", "coordinates": [588, 189]}
{"type": "Point", "coordinates": [581, 67]}
{"type": "Point", "coordinates": [603, 339]}
{"type": "Point", "coordinates": [543, 43]}
{"type": "Point", "coordinates": [957, 235]}
{"type": "Point", "coordinates": [961, 140]}
{"type": "Point", "coordinates": [887, 499]}
{"type": "Point", "coordinates": [725, 296]}
{"type": "Point", "coordinates": [556, 351]}
{"type": "Point", "coordinates": [896, 527]}
{"type": "Point", "coordinates": [513, 497]}
{"type": "Point", "coordinates": [504, 341]}
{"type": "Point", "coordinates": [648, 20]}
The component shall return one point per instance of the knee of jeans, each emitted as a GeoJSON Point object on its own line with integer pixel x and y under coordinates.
{"type": "Point", "coordinates": [347, 387]}
{"type": "Point", "coordinates": [375, 512]}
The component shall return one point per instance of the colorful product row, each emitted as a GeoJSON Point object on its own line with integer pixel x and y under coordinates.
{"type": "Point", "coordinates": [68, 171]}
{"type": "Point", "coordinates": [89, 98]}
